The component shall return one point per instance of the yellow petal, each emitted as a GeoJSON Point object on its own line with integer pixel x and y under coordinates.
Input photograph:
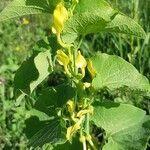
{"type": "Point", "coordinates": [85, 111]}
{"type": "Point", "coordinates": [62, 58]}
{"type": "Point", "coordinates": [70, 106]}
{"type": "Point", "coordinates": [60, 15]}
{"type": "Point", "coordinates": [91, 69]}
{"type": "Point", "coordinates": [87, 84]}
{"type": "Point", "coordinates": [73, 129]}
{"type": "Point", "coordinates": [25, 21]}
{"type": "Point", "coordinates": [80, 61]}
{"type": "Point", "coordinates": [82, 139]}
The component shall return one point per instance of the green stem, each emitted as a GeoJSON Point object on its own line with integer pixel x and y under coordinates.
{"type": "Point", "coordinates": [82, 139]}
{"type": "Point", "coordinates": [51, 63]}
{"type": "Point", "coordinates": [80, 42]}
{"type": "Point", "coordinates": [66, 46]}
{"type": "Point", "coordinates": [87, 123]}
{"type": "Point", "coordinates": [92, 145]}
{"type": "Point", "coordinates": [74, 62]}
{"type": "Point", "coordinates": [72, 8]}
{"type": "Point", "coordinates": [120, 46]}
{"type": "Point", "coordinates": [84, 145]}
{"type": "Point", "coordinates": [75, 70]}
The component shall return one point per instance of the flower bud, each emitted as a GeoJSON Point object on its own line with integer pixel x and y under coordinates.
{"type": "Point", "coordinates": [70, 106]}
{"type": "Point", "coordinates": [80, 61]}
{"type": "Point", "coordinates": [62, 58]}
{"type": "Point", "coordinates": [91, 69]}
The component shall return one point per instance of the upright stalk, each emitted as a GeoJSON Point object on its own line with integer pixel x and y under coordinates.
{"type": "Point", "coordinates": [84, 145]}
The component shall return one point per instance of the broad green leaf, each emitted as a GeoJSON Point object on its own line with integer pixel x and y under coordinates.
{"type": "Point", "coordinates": [31, 73]}
{"type": "Point", "coordinates": [115, 117]}
{"type": "Point", "coordinates": [114, 72]}
{"type": "Point", "coordinates": [53, 98]}
{"type": "Point", "coordinates": [18, 8]}
{"type": "Point", "coordinates": [90, 5]}
{"type": "Point", "coordinates": [42, 132]}
{"type": "Point", "coordinates": [99, 17]}
{"type": "Point", "coordinates": [133, 138]}
{"type": "Point", "coordinates": [35, 113]}
{"type": "Point", "coordinates": [126, 126]}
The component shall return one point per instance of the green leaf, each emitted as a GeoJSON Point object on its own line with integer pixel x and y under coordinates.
{"type": "Point", "coordinates": [126, 126]}
{"type": "Point", "coordinates": [98, 17]}
{"type": "Point", "coordinates": [42, 132]}
{"type": "Point", "coordinates": [18, 8]}
{"type": "Point", "coordinates": [114, 72]}
{"type": "Point", "coordinates": [133, 138]}
{"type": "Point", "coordinates": [90, 5]}
{"type": "Point", "coordinates": [31, 73]}
{"type": "Point", "coordinates": [35, 113]}
{"type": "Point", "coordinates": [53, 98]}
{"type": "Point", "coordinates": [115, 117]}
{"type": "Point", "coordinates": [54, 47]}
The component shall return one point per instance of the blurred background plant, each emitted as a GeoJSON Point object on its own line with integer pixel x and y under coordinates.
{"type": "Point", "coordinates": [17, 38]}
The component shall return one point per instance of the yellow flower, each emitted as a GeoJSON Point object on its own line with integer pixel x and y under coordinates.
{"type": "Point", "coordinates": [82, 139]}
{"type": "Point", "coordinates": [62, 58]}
{"type": "Point", "coordinates": [73, 129]}
{"type": "Point", "coordinates": [85, 111]}
{"type": "Point", "coordinates": [91, 69]}
{"type": "Point", "coordinates": [87, 84]}
{"type": "Point", "coordinates": [25, 21]}
{"type": "Point", "coordinates": [60, 15]}
{"type": "Point", "coordinates": [70, 106]}
{"type": "Point", "coordinates": [81, 63]}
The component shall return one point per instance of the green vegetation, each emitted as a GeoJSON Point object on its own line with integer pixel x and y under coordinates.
{"type": "Point", "coordinates": [62, 84]}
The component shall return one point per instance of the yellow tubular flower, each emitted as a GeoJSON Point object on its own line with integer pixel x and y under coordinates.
{"type": "Point", "coordinates": [73, 129]}
{"type": "Point", "coordinates": [91, 69]}
{"type": "Point", "coordinates": [62, 58]}
{"type": "Point", "coordinates": [70, 106]}
{"type": "Point", "coordinates": [85, 111]}
{"type": "Point", "coordinates": [81, 63]}
{"type": "Point", "coordinates": [25, 21]}
{"type": "Point", "coordinates": [60, 15]}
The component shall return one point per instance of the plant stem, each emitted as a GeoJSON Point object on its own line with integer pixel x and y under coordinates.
{"type": "Point", "coordinates": [92, 145]}
{"type": "Point", "coordinates": [87, 130]}
{"type": "Point", "coordinates": [87, 123]}
{"type": "Point", "coordinates": [75, 69]}
{"type": "Point", "coordinates": [84, 145]}
{"type": "Point", "coordinates": [120, 46]}
{"type": "Point", "coordinates": [51, 63]}
{"type": "Point", "coordinates": [62, 43]}
{"type": "Point", "coordinates": [80, 42]}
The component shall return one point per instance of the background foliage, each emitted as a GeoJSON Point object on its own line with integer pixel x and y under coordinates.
{"type": "Point", "coordinates": [17, 37]}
